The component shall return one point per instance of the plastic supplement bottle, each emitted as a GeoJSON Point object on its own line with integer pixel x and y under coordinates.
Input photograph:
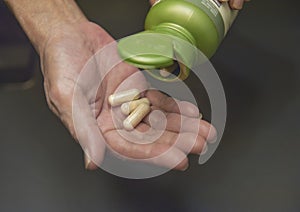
{"type": "Point", "coordinates": [202, 23]}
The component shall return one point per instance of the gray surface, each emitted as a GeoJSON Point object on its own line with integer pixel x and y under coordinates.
{"type": "Point", "coordinates": [256, 167]}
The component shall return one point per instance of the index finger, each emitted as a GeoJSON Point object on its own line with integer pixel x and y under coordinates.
{"type": "Point", "coordinates": [172, 105]}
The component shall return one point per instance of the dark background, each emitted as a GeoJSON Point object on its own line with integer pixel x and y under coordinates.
{"type": "Point", "coordinates": [255, 168]}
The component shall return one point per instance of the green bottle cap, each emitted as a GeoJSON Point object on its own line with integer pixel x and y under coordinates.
{"type": "Point", "coordinates": [147, 50]}
{"type": "Point", "coordinates": [159, 50]}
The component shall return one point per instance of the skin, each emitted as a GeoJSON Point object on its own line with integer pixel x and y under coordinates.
{"type": "Point", "coordinates": [235, 4]}
{"type": "Point", "coordinates": [65, 41]}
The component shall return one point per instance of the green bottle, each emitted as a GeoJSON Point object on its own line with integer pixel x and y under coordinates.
{"type": "Point", "coordinates": [202, 23]}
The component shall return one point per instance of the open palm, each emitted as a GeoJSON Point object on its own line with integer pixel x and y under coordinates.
{"type": "Point", "coordinates": [78, 81]}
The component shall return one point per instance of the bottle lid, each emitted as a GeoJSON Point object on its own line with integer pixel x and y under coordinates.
{"type": "Point", "coordinates": [147, 50]}
{"type": "Point", "coordinates": [159, 52]}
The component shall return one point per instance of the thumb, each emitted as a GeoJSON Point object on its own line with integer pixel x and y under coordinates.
{"type": "Point", "coordinates": [152, 2]}
{"type": "Point", "coordinates": [87, 132]}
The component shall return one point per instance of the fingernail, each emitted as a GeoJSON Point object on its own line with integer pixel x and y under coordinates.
{"type": "Point", "coordinates": [212, 141]}
{"type": "Point", "coordinates": [237, 5]}
{"type": "Point", "coordinates": [185, 167]}
{"type": "Point", "coordinates": [204, 149]}
{"type": "Point", "coordinates": [212, 134]}
{"type": "Point", "coordinates": [87, 162]}
{"type": "Point", "coordinates": [200, 116]}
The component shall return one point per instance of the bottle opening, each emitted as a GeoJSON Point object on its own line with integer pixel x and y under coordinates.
{"type": "Point", "coordinates": [177, 71]}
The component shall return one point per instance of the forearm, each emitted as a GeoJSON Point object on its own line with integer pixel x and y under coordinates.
{"type": "Point", "coordinates": [39, 18]}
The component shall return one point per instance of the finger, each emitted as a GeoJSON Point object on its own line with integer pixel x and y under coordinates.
{"type": "Point", "coordinates": [169, 104]}
{"type": "Point", "coordinates": [176, 123]}
{"type": "Point", "coordinates": [152, 2]}
{"type": "Point", "coordinates": [72, 108]}
{"type": "Point", "coordinates": [155, 153]}
{"type": "Point", "coordinates": [187, 142]}
{"type": "Point", "coordinates": [175, 159]}
{"type": "Point", "coordinates": [236, 4]}
{"type": "Point", "coordinates": [88, 163]}
{"type": "Point", "coordinates": [87, 132]}
{"type": "Point", "coordinates": [144, 134]}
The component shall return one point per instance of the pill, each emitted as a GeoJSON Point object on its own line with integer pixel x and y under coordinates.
{"type": "Point", "coordinates": [167, 71]}
{"type": "Point", "coordinates": [136, 116]}
{"type": "Point", "coordinates": [123, 96]}
{"type": "Point", "coordinates": [128, 107]}
{"type": "Point", "coordinates": [164, 73]}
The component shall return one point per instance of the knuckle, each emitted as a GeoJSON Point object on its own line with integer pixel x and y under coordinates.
{"type": "Point", "coordinates": [199, 146]}
{"type": "Point", "coordinates": [59, 93]}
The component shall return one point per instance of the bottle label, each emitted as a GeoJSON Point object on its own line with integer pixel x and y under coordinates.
{"type": "Point", "coordinates": [217, 3]}
{"type": "Point", "coordinates": [228, 15]}
{"type": "Point", "coordinates": [219, 13]}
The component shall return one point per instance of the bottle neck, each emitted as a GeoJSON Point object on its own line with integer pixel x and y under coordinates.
{"type": "Point", "coordinates": [175, 30]}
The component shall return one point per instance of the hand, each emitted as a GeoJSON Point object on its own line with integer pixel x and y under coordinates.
{"type": "Point", "coordinates": [63, 59]}
{"type": "Point", "coordinates": [235, 4]}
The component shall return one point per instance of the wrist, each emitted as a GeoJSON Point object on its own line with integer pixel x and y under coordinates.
{"type": "Point", "coordinates": [42, 19]}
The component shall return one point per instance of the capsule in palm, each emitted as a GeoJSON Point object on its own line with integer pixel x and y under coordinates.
{"type": "Point", "coordinates": [128, 107]}
{"type": "Point", "coordinates": [136, 116]}
{"type": "Point", "coordinates": [123, 96]}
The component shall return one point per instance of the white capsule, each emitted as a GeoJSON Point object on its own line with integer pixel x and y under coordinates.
{"type": "Point", "coordinates": [136, 116]}
{"type": "Point", "coordinates": [128, 107]}
{"type": "Point", "coordinates": [123, 96]}
{"type": "Point", "coordinates": [167, 71]}
{"type": "Point", "coordinates": [164, 73]}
